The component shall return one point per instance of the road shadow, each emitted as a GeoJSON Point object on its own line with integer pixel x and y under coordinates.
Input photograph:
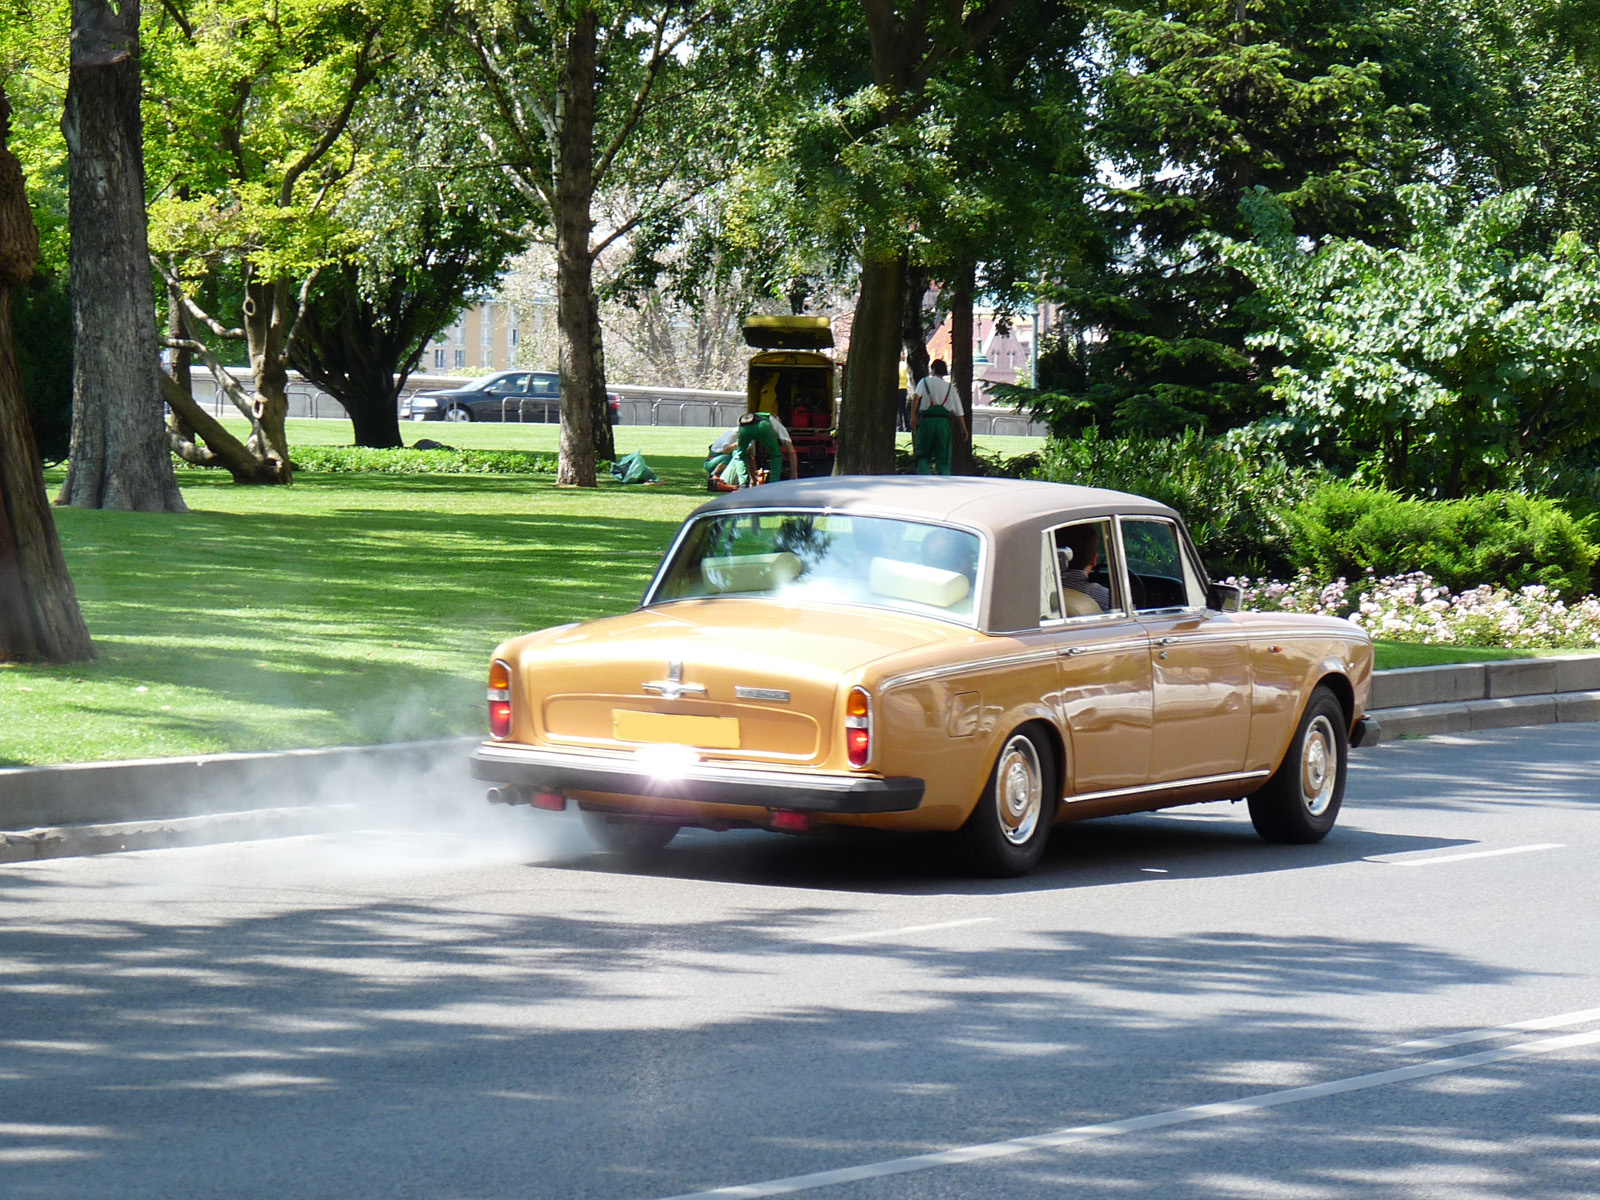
{"type": "Point", "coordinates": [467, 1048]}
{"type": "Point", "coordinates": [1146, 848]}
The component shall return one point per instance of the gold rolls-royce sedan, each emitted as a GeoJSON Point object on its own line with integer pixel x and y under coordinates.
{"type": "Point", "coordinates": [987, 657]}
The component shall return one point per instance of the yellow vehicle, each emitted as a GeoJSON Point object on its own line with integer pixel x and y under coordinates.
{"type": "Point", "coordinates": [793, 379]}
{"type": "Point", "coordinates": [985, 657]}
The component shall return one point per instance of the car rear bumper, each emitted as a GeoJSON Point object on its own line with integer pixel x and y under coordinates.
{"type": "Point", "coordinates": [707, 783]}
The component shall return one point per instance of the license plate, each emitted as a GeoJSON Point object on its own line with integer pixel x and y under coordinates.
{"type": "Point", "coordinates": [709, 733]}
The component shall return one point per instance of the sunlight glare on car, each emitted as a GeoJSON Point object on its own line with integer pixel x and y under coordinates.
{"type": "Point", "coordinates": [666, 761]}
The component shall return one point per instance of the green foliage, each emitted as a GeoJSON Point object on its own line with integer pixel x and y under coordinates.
{"type": "Point", "coordinates": [362, 460]}
{"type": "Point", "coordinates": [1233, 494]}
{"type": "Point", "coordinates": [41, 318]}
{"type": "Point", "coordinates": [1453, 362]}
{"type": "Point", "coordinates": [1198, 103]}
{"type": "Point", "coordinates": [1502, 538]}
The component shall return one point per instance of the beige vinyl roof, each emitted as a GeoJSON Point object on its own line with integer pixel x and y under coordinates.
{"type": "Point", "coordinates": [1012, 513]}
{"type": "Point", "coordinates": [992, 505]}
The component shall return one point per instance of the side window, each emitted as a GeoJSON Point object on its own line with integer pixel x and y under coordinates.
{"type": "Point", "coordinates": [1159, 572]}
{"type": "Point", "coordinates": [543, 385]}
{"type": "Point", "coordinates": [1076, 579]}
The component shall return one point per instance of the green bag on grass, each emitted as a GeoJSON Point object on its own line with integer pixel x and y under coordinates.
{"type": "Point", "coordinates": [632, 468]}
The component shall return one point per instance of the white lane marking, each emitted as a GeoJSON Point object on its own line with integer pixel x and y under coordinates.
{"type": "Point", "coordinates": [884, 934]}
{"type": "Point", "coordinates": [1179, 1116]}
{"type": "Point", "coordinates": [1444, 858]}
{"type": "Point", "coordinates": [1498, 1031]}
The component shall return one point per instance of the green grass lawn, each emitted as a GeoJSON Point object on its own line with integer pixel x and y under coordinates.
{"type": "Point", "coordinates": [350, 608]}
{"type": "Point", "coordinates": [1389, 655]}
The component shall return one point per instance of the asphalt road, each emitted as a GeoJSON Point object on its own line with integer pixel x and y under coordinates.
{"type": "Point", "coordinates": [479, 1007]}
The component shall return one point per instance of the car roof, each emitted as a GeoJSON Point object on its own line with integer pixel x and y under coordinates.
{"type": "Point", "coordinates": [1013, 513]}
{"type": "Point", "coordinates": [992, 505]}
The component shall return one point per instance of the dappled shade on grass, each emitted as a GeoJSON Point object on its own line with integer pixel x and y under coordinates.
{"type": "Point", "coordinates": [346, 609]}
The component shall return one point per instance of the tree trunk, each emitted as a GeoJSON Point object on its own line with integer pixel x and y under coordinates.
{"type": "Point", "coordinates": [576, 336]}
{"type": "Point", "coordinates": [119, 456]}
{"type": "Point", "coordinates": [961, 289]}
{"type": "Point", "coordinates": [605, 444]}
{"type": "Point", "coordinates": [39, 616]}
{"type": "Point", "coordinates": [867, 416]}
{"type": "Point", "coordinates": [914, 322]}
{"type": "Point", "coordinates": [182, 364]}
{"type": "Point", "coordinates": [264, 305]}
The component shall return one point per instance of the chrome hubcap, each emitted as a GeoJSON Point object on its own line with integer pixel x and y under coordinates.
{"type": "Point", "coordinates": [455, 414]}
{"type": "Point", "coordinates": [1319, 761]}
{"type": "Point", "coordinates": [1019, 787]}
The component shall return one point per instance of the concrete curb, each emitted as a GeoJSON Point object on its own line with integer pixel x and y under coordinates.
{"type": "Point", "coordinates": [1418, 701]}
{"type": "Point", "coordinates": [216, 785]}
{"type": "Point", "coordinates": [97, 808]}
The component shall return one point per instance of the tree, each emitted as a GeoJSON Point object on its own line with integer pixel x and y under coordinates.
{"type": "Point", "coordinates": [863, 165]}
{"type": "Point", "coordinates": [1199, 102]}
{"type": "Point", "coordinates": [119, 453]}
{"type": "Point", "coordinates": [432, 237]}
{"type": "Point", "coordinates": [252, 158]}
{"type": "Point", "coordinates": [596, 104]}
{"type": "Point", "coordinates": [39, 616]}
{"type": "Point", "coordinates": [1455, 363]}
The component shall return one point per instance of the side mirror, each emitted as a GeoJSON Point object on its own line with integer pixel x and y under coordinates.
{"type": "Point", "coordinates": [1225, 597]}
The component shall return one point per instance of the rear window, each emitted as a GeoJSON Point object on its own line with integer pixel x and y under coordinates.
{"type": "Point", "coordinates": [807, 557]}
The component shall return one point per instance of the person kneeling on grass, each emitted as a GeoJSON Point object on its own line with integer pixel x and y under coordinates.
{"type": "Point", "coordinates": [766, 431]}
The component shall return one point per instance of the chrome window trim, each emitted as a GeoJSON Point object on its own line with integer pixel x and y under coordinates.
{"type": "Point", "coordinates": [980, 590]}
{"type": "Point", "coordinates": [1112, 549]}
{"type": "Point", "coordinates": [1184, 550]}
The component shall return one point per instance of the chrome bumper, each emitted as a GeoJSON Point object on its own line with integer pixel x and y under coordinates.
{"type": "Point", "coordinates": [705, 783]}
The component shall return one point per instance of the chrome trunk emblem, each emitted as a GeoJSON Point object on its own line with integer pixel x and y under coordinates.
{"type": "Point", "coordinates": [673, 687]}
{"type": "Point", "coordinates": [750, 693]}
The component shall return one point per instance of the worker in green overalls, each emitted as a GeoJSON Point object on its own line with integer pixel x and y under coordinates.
{"type": "Point", "coordinates": [937, 406]}
{"type": "Point", "coordinates": [765, 430]}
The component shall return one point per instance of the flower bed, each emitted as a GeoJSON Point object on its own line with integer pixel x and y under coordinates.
{"type": "Point", "coordinates": [1412, 608]}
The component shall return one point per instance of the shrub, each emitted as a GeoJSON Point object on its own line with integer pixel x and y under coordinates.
{"type": "Point", "coordinates": [1231, 494]}
{"type": "Point", "coordinates": [41, 317]}
{"type": "Point", "coordinates": [345, 459]}
{"type": "Point", "coordinates": [1414, 608]}
{"type": "Point", "coordinates": [1499, 539]}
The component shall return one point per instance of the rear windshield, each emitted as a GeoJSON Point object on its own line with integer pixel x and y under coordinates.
{"type": "Point", "coordinates": [807, 557]}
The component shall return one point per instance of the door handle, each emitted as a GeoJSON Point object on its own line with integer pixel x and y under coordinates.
{"type": "Point", "coordinates": [1073, 651]}
{"type": "Point", "coordinates": [1166, 641]}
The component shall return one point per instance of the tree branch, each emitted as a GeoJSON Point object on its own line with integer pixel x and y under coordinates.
{"type": "Point", "coordinates": [363, 75]}
{"type": "Point", "coordinates": [176, 293]}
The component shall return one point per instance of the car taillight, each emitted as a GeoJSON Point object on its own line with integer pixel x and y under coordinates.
{"type": "Point", "coordinates": [499, 700]}
{"type": "Point", "coordinates": [858, 727]}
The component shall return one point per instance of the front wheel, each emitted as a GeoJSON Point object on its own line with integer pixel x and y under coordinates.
{"type": "Point", "coordinates": [457, 414]}
{"type": "Point", "coordinates": [633, 837]}
{"type": "Point", "coordinates": [1301, 801]}
{"type": "Point", "coordinates": [1007, 831]}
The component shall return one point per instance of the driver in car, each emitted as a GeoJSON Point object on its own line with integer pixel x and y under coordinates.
{"type": "Point", "coordinates": [1082, 546]}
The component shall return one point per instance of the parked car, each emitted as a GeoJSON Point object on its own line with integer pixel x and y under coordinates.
{"type": "Point", "coordinates": [986, 657]}
{"type": "Point", "coordinates": [532, 396]}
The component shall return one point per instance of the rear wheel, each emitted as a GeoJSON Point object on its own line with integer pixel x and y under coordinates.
{"type": "Point", "coordinates": [634, 837]}
{"type": "Point", "coordinates": [1301, 801]}
{"type": "Point", "coordinates": [1007, 831]}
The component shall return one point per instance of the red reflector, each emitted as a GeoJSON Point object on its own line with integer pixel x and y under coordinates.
{"type": "Point", "coordinates": [858, 742]}
{"type": "Point", "coordinates": [551, 801]}
{"type": "Point", "coordinates": [500, 718]}
{"type": "Point", "coordinates": [790, 822]}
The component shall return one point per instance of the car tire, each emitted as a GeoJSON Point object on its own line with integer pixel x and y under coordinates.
{"type": "Point", "coordinates": [1300, 803]}
{"type": "Point", "coordinates": [1006, 834]}
{"type": "Point", "coordinates": [457, 413]}
{"type": "Point", "coordinates": [632, 837]}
